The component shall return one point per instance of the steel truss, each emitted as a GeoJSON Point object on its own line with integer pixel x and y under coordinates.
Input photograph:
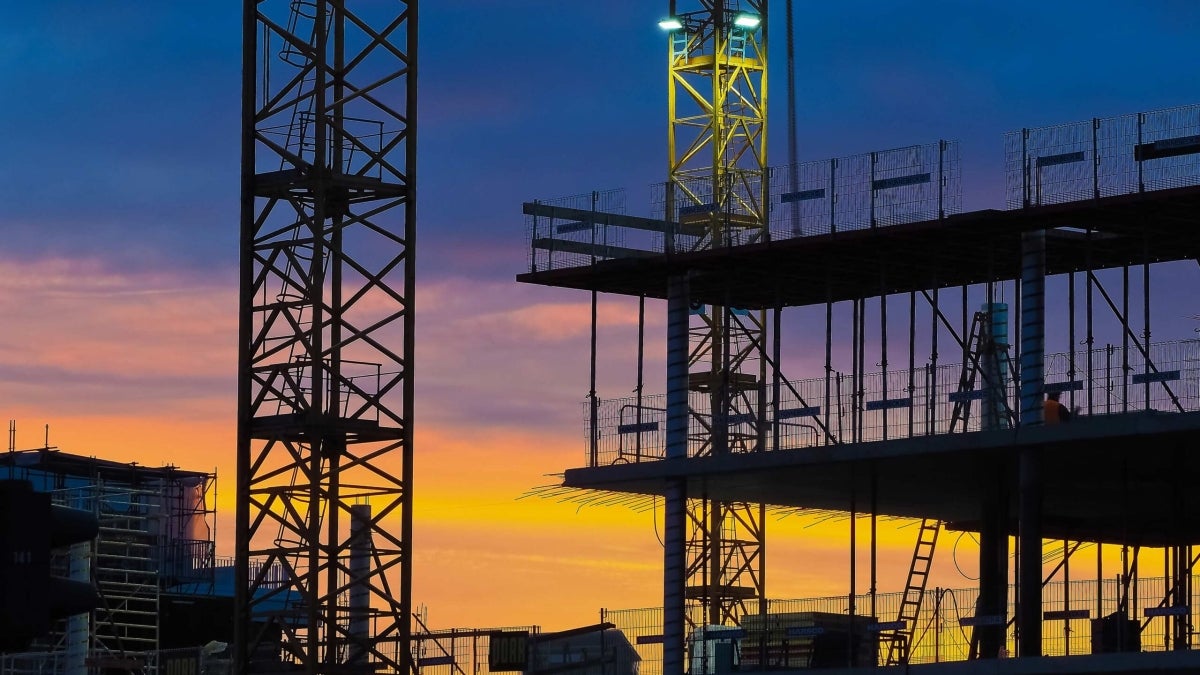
{"type": "Point", "coordinates": [717, 181]}
{"type": "Point", "coordinates": [326, 336]}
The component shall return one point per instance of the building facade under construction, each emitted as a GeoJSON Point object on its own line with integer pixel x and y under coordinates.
{"type": "Point", "coordinates": [163, 594]}
{"type": "Point", "coordinates": [842, 338]}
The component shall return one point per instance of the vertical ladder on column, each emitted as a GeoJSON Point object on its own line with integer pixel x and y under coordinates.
{"type": "Point", "coordinates": [679, 44]}
{"type": "Point", "coordinates": [737, 43]}
{"type": "Point", "coordinates": [970, 366]}
{"type": "Point", "coordinates": [898, 641]}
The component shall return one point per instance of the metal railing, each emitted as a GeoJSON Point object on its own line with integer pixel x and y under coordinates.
{"type": "Point", "coordinates": [939, 634]}
{"type": "Point", "coordinates": [870, 190]}
{"type": "Point", "coordinates": [905, 404]}
{"type": "Point", "coordinates": [1103, 157]}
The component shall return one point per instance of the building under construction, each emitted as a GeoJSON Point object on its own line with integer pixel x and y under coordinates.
{"type": "Point", "coordinates": [163, 593]}
{"type": "Point", "coordinates": [989, 372]}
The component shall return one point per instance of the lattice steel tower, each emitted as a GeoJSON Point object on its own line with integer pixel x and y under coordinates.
{"type": "Point", "coordinates": [325, 358]}
{"type": "Point", "coordinates": [717, 181]}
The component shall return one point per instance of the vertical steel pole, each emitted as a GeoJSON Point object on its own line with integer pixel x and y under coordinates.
{"type": "Point", "coordinates": [832, 196]}
{"type": "Point", "coordinates": [937, 629]}
{"type": "Point", "coordinates": [874, 616]}
{"type": "Point", "coordinates": [912, 358]}
{"type": "Point", "coordinates": [1066, 596]}
{"type": "Point", "coordinates": [862, 368]}
{"type": "Point", "coordinates": [872, 186]}
{"type": "Point", "coordinates": [242, 617]}
{"type": "Point", "coordinates": [675, 499]}
{"type": "Point", "coordinates": [965, 327]}
{"type": "Point", "coordinates": [641, 364]}
{"type": "Point", "coordinates": [1017, 344]}
{"type": "Point", "coordinates": [1033, 302]}
{"type": "Point", "coordinates": [933, 360]}
{"type": "Point", "coordinates": [941, 179]}
{"type": "Point", "coordinates": [593, 404]}
{"type": "Point", "coordinates": [410, 282]}
{"type": "Point", "coordinates": [1125, 330]}
{"type": "Point", "coordinates": [854, 372]}
{"type": "Point", "coordinates": [853, 609]}
{"type": "Point", "coordinates": [828, 352]}
{"type": "Point", "coordinates": [883, 352]}
{"type": "Point", "coordinates": [1071, 336]}
{"type": "Point", "coordinates": [1146, 316]}
{"type": "Point", "coordinates": [792, 132]}
{"type": "Point", "coordinates": [1091, 337]}
{"type": "Point", "coordinates": [776, 338]}
{"type": "Point", "coordinates": [1025, 168]}
{"type": "Point", "coordinates": [1141, 120]}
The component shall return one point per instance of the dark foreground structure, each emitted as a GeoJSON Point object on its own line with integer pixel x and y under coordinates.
{"type": "Point", "coordinates": [944, 336]}
{"type": "Point", "coordinates": [163, 599]}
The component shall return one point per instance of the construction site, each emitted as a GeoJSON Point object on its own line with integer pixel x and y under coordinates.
{"type": "Point", "coordinates": [1019, 398]}
{"type": "Point", "coordinates": [843, 341]}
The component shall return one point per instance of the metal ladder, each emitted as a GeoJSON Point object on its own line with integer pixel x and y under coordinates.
{"type": "Point", "coordinates": [898, 640]}
{"type": "Point", "coordinates": [970, 366]}
{"type": "Point", "coordinates": [737, 43]}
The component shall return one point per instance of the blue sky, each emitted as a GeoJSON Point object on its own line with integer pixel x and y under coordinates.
{"type": "Point", "coordinates": [121, 119]}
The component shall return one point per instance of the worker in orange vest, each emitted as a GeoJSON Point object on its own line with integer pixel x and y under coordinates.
{"type": "Point", "coordinates": [1054, 412]}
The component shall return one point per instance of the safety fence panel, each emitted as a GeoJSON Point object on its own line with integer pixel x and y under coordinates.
{"type": "Point", "coordinates": [557, 243]}
{"type": "Point", "coordinates": [1103, 157]}
{"type": "Point", "coordinates": [943, 631]}
{"type": "Point", "coordinates": [870, 190]}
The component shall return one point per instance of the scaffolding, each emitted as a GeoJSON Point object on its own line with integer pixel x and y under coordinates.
{"type": "Point", "coordinates": [156, 536]}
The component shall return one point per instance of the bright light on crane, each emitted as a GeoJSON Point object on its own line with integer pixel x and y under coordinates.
{"type": "Point", "coordinates": [671, 23]}
{"type": "Point", "coordinates": [746, 20]}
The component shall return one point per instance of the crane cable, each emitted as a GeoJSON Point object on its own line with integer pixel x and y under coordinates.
{"type": "Point", "coordinates": [793, 158]}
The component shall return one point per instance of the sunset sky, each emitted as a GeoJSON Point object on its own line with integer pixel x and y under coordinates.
{"type": "Point", "coordinates": [119, 185]}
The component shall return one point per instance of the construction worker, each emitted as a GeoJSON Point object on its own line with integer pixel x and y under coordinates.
{"type": "Point", "coordinates": [1054, 412]}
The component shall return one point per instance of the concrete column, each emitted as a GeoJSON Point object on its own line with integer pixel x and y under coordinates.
{"type": "Point", "coordinates": [993, 558]}
{"type": "Point", "coordinates": [1033, 326]}
{"type": "Point", "coordinates": [675, 502]}
{"type": "Point", "coordinates": [360, 595]}
{"type": "Point", "coordinates": [1033, 345]}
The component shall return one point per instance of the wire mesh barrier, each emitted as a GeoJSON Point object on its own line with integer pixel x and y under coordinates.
{"type": "Point", "coordinates": [875, 189]}
{"type": "Point", "coordinates": [789, 633]}
{"type": "Point", "coordinates": [598, 650]}
{"type": "Point", "coordinates": [1072, 162]}
{"type": "Point", "coordinates": [905, 403]}
{"type": "Point", "coordinates": [1103, 157]}
{"type": "Point", "coordinates": [572, 239]}
{"type": "Point", "coordinates": [460, 652]}
{"type": "Point", "coordinates": [736, 207]}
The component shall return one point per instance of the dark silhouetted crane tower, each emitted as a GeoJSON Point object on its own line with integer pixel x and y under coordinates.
{"type": "Point", "coordinates": [325, 355]}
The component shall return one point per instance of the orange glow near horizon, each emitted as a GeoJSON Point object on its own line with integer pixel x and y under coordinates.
{"type": "Point", "coordinates": [140, 368]}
